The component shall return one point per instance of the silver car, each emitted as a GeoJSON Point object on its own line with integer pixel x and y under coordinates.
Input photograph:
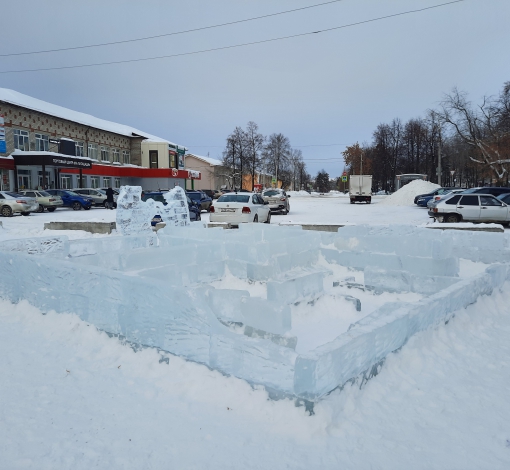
{"type": "Point", "coordinates": [470, 208]}
{"type": "Point", "coordinates": [45, 200]}
{"type": "Point", "coordinates": [440, 197]}
{"type": "Point", "coordinates": [11, 203]}
{"type": "Point", "coordinates": [277, 199]}
{"type": "Point", "coordinates": [97, 195]}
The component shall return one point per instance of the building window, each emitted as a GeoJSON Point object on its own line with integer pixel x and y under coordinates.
{"type": "Point", "coordinates": [153, 158]}
{"type": "Point", "coordinates": [125, 157]}
{"type": "Point", "coordinates": [94, 182]}
{"type": "Point", "coordinates": [42, 143]}
{"type": "Point", "coordinates": [66, 182]}
{"type": "Point", "coordinates": [105, 154]}
{"type": "Point", "coordinates": [107, 182]}
{"type": "Point", "coordinates": [92, 151]}
{"type": "Point", "coordinates": [116, 155]}
{"type": "Point", "coordinates": [21, 140]}
{"type": "Point", "coordinates": [79, 149]}
{"type": "Point", "coordinates": [117, 182]}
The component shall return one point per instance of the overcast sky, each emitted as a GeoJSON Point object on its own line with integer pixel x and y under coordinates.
{"type": "Point", "coordinates": [322, 89]}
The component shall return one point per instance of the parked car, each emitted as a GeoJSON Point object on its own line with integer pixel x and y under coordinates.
{"type": "Point", "coordinates": [97, 195]}
{"type": "Point", "coordinates": [277, 199]}
{"type": "Point", "coordinates": [443, 196]}
{"type": "Point", "coordinates": [203, 199]}
{"type": "Point", "coordinates": [11, 203]}
{"type": "Point", "coordinates": [435, 192]}
{"type": "Point", "coordinates": [44, 199]}
{"type": "Point", "coordinates": [237, 208]}
{"type": "Point", "coordinates": [494, 190]}
{"type": "Point", "coordinates": [470, 208]}
{"type": "Point", "coordinates": [212, 193]}
{"type": "Point", "coordinates": [193, 207]}
{"type": "Point", "coordinates": [116, 192]}
{"type": "Point", "coordinates": [71, 199]}
{"type": "Point", "coordinates": [422, 201]}
{"type": "Point", "coordinates": [505, 197]}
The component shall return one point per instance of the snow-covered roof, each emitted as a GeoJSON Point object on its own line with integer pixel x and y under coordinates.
{"type": "Point", "coordinates": [25, 101]}
{"type": "Point", "coordinates": [50, 154]}
{"type": "Point", "coordinates": [211, 161]}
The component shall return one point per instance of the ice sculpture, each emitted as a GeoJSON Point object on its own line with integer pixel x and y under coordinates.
{"type": "Point", "coordinates": [231, 299]}
{"type": "Point", "coordinates": [134, 216]}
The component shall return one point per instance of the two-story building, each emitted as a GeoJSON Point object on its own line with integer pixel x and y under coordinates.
{"type": "Point", "coordinates": [49, 146]}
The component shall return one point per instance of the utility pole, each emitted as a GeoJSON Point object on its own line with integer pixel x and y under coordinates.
{"type": "Point", "coordinates": [439, 170]}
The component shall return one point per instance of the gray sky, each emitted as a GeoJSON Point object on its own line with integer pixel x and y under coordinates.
{"type": "Point", "coordinates": [329, 88]}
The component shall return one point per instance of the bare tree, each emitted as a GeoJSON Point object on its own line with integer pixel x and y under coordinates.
{"type": "Point", "coordinates": [254, 142]}
{"type": "Point", "coordinates": [485, 127]}
{"type": "Point", "coordinates": [235, 156]}
{"type": "Point", "coordinates": [276, 154]}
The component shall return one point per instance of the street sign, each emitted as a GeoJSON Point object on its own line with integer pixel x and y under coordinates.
{"type": "Point", "coordinates": [273, 180]}
{"type": "Point", "coordinates": [344, 178]}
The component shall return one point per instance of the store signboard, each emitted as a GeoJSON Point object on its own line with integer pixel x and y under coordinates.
{"type": "Point", "coordinates": [3, 146]}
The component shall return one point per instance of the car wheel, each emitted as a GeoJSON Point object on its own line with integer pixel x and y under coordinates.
{"type": "Point", "coordinates": [6, 211]}
{"type": "Point", "coordinates": [105, 204]}
{"type": "Point", "coordinates": [268, 220]}
{"type": "Point", "coordinates": [76, 206]}
{"type": "Point", "coordinates": [256, 218]}
{"type": "Point", "coordinates": [451, 218]}
{"type": "Point", "coordinates": [41, 209]}
{"type": "Point", "coordinates": [25, 213]}
{"type": "Point", "coordinates": [285, 211]}
{"type": "Point", "coordinates": [51, 209]}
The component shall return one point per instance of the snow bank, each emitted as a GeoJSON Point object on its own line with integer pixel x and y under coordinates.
{"type": "Point", "coordinates": [406, 194]}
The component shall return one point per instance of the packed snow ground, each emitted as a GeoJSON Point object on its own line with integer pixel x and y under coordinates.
{"type": "Point", "coordinates": [71, 397]}
{"type": "Point", "coordinates": [334, 209]}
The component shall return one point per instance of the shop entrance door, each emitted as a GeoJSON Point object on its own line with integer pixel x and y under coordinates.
{"type": "Point", "coordinates": [24, 181]}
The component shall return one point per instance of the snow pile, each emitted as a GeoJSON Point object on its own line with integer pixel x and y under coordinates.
{"type": "Point", "coordinates": [406, 194]}
{"type": "Point", "coordinates": [301, 193]}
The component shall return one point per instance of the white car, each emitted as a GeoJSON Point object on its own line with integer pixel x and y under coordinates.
{"type": "Point", "coordinates": [471, 208]}
{"type": "Point", "coordinates": [440, 197]}
{"type": "Point", "coordinates": [237, 208]}
{"type": "Point", "coordinates": [45, 200]}
{"type": "Point", "coordinates": [278, 200]}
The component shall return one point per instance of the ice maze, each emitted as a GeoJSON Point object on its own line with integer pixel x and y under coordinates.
{"type": "Point", "coordinates": [299, 312]}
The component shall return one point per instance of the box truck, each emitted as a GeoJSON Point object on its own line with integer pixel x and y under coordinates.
{"type": "Point", "coordinates": [360, 188]}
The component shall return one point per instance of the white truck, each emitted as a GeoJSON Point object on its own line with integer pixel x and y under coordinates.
{"type": "Point", "coordinates": [360, 188]}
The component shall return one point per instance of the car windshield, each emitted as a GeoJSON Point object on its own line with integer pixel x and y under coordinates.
{"type": "Point", "coordinates": [195, 196]}
{"type": "Point", "coordinates": [271, 193]}
{"type": "Point", "coordinates": [12, 194]}
{"type": "Point", "coordinates": [44, 194]}
{"type": "Point", "coordinates": [469, 191]}
{"type": "Point", "coordinates": [234, 198]}
{"type": "Point", "coordinates": [71, 193]}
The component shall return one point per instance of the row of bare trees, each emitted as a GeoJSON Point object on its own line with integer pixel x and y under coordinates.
{"type": "Point", "coordinates": [248, 152]}
{"type": "Point", "coordinates": [473, 140]}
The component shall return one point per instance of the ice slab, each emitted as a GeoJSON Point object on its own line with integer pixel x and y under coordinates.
{"type": "Point", "coordinates": [134, 215]}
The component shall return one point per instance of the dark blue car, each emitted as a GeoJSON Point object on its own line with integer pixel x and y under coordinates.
{"type": "Point", "coordinates": [202, 199]}
{"type": "Point", "coordinates": [194, 208]}
{"type": "Point", "coordinates": [71, 199]}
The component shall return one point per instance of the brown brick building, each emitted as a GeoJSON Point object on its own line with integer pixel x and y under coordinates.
{"type": "Point", "coordinates": [45, 145]}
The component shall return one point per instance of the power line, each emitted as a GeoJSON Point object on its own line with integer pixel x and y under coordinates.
{"type": "Point", "coordinates": [171, 34]}
{"type": "Point", "coordinates": [294, 146]}
{"type": "Point", "coordinates": [233, 46]}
